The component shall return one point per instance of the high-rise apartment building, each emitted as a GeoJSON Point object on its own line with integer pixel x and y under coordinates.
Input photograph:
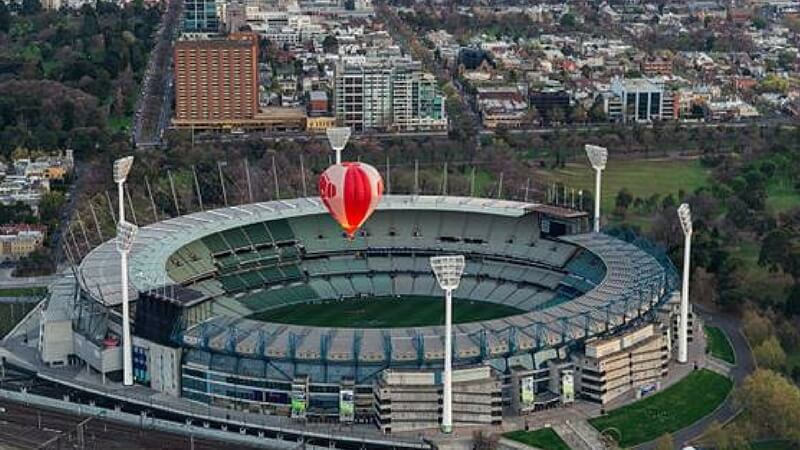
{"type": "Point", "coordinates": [388, 95]}
{"type": "Point", "coordinates": [216, 81]}
{"type": "Point", "coordinates": [200, 16]}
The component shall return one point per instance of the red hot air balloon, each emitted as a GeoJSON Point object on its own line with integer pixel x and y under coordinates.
{"type": "Point", "coordinates": [351, 192]}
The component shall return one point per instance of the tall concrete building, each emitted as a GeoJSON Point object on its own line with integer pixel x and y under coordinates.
{"type": "Point", "coordinates": [642, 99]}
{"type": "Point", "coordinates": [216, 81]}
{"type": "Point", "coordinates": [200, 16]}
{"type": "Point", "coordinates": [388, 95]}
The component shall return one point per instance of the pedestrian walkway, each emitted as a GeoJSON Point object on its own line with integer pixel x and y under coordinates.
{"type": "Point", "coordinates": [579, 435]}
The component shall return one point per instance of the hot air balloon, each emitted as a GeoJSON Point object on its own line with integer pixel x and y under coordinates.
{"type": "Point", "coordinates": [350, 191]}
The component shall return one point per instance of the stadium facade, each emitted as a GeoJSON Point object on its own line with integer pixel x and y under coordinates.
{"type": "Point", "coordinates": [597, 313]}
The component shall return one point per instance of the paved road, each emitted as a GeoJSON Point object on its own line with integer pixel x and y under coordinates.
{"type": "Point", "coordinates": [8, 281]}
{"type": "Point", "coordinates": [744, 366]}
{"type": "Point", "coordinates": [153, 107]}
{"type": "Point", "coordinates": [27, 427]}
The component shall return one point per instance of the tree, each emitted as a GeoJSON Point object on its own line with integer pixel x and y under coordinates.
{"type": "Point", "coordinates": [30, 7]}
{"type": "Point", "coordinates": [771, 406]}
{"type": "Point", "coordinates": [623, 200]}
{"type": "Point", "coordinates": [567, 21]}
{"type": "Point", "coordinates": [664, 442]}
{"type": "Point", "coordinates": [756, 327]}
{"type": "Point", "coordinates": [532, 117]}
{"type": "Point", "coordinates": [557, 115]}
{"type": "Point", "coordinates": [597, 112]}
{"type": "Point", "coordinates": [579, 114]}
{"type": "Point", "coordinates": [719, 438]}
{"type": "Point", "coordinates": [330, 44]}
{"type": "Point", "coordinates": [770, 354]}
{"type": "Point", "coordinates": [5, 17]}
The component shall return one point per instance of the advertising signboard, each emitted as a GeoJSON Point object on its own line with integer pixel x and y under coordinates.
{"type": "Point", "coordinates": [567, 387]}
{"type": "Point", "coordinates": [346, 405]}
{"type": "Point", "coordinates": [298, 405]}
{"type": "Point", "coordinates": [527, 392]}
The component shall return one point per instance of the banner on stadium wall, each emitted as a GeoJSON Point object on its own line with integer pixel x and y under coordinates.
{"type": "Point", "coordinates": [567, 387]}
{"type": "Point", "coordinates": [527, 391]}
{"type": "Point", "coordinates": [298, 405]}
{"type": "Point", "coordinates": [346, 405]}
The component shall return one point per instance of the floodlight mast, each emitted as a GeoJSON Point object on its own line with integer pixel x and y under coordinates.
{"type": "Point", "coordinates": [685, 216]}
{"type": "Point", "coordinates": [598, 156]}
{"type": "Point", "coordinates": [338, 137]}
{"type": "Point", "coordinates": [448, 271]}
{"type": "Point", "coordinates": [125, 234]}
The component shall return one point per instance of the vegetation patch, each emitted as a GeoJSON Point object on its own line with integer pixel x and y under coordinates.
{"type": "Point", "coordinates": [719, 346]}
{"type": "Point", "coordinates": [670, 410]}
{"type": "Point", "coordinates": [23, 292]}
{"type": "Point", "coordinates": [11, 313]}
{"type": "Point", "coordinates": [545, 439]}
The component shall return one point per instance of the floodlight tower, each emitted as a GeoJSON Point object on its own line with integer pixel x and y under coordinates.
{"type": "Point", "coordinates": [448, 271]}
{"type": "Point", "coordinates": [598, 156]}
{"type": "Point", "coordinates": [685, 216]}
{"type": "Point", "coordinates": [338, 137]}
{"type": "Point", "coordinates": [126, 232]}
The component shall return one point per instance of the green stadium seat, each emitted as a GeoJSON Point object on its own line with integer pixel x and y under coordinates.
{"type": "Point", "coordinates": [258, 234]}
{"type": "Point", "coordinates": [236, 238]}
{"type": "Point", "coordinates": [280, 230]}
{"type": "Point", "coordinates": [216, 244]}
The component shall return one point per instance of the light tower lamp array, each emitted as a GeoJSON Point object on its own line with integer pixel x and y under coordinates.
{"type": "Point", "coordinates": [598, 156]}
{"type": "Point", "coordinates": [448, 270]}
{"type": "Point", "coordinates": [338, 137]}
{"type": "Point", "coordinates": [126, 232]}
{"type": "Point", "coordinates": [685, 216]}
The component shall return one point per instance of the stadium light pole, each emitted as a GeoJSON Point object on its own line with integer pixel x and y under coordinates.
{"type": "Point", "coordinates": [448, 271]}
{"type": "Point", "coordinates": [125, 234]}
{"type": "Point", "coordinates": [685, 216]}
{"type": "Point", "coordinates": [598, 156]}
{"type": "Point", "coordinates": [338, 137]}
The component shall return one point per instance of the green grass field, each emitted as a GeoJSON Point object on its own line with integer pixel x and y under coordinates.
{"type": "Point", "coordinates": [757, 281]}
{"type": "Point", "coordinates": [719, 346]}
{"type": "Point", "coordinates": [772, 445]}
{"type": "Point", "coordinates": [11, 313]}
{"type": "Point", "coordinates": [384, 312]}
{"type": "Point", "coordinates": [23, 292]}
{"type": "Point", "coordinates": [668, 411]}
{"type": "Point", "coordinates": [781, 196]}
{"type": "Point", "coordinates": [642, 177]}
{"type": "Point", "coordinates": [544, 438]}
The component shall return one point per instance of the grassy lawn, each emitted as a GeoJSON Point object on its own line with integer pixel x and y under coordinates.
{"type": "Point", "coordinates": [380, 312]}
{"type": "Point", "coordinates": [544, 438]}
{"type": "Point", "coordinates": [643, 178]}
{"type": "Point", "coordinates": [792, 359]}
{"type": "Point", "coordinates": [768, 288]}
{"type": "Point", "coordinates": [781, 196]}
{"type": "Point", "coordinates": [719, 346]}
{"type": "Point", "coordinates": [23, 292]}
{"type": "Point", "coordinates": [11, 313]}
{"type": "Point", "coordinates": [772, 445]}
{"type": "Point", "coordinates": [120, 123]}
{"type": "Point", "coordinates": [668, 411]}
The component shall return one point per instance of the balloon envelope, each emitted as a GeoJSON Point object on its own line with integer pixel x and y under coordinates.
{"type": "Point", "coordinates": [351, 192]}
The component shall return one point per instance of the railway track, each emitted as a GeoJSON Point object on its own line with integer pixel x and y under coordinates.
{"type": "Point", "coordinates": [26, 427]}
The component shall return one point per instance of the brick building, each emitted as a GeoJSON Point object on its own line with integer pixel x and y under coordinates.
{"type": "Point", "coordinates": [216, 81]}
